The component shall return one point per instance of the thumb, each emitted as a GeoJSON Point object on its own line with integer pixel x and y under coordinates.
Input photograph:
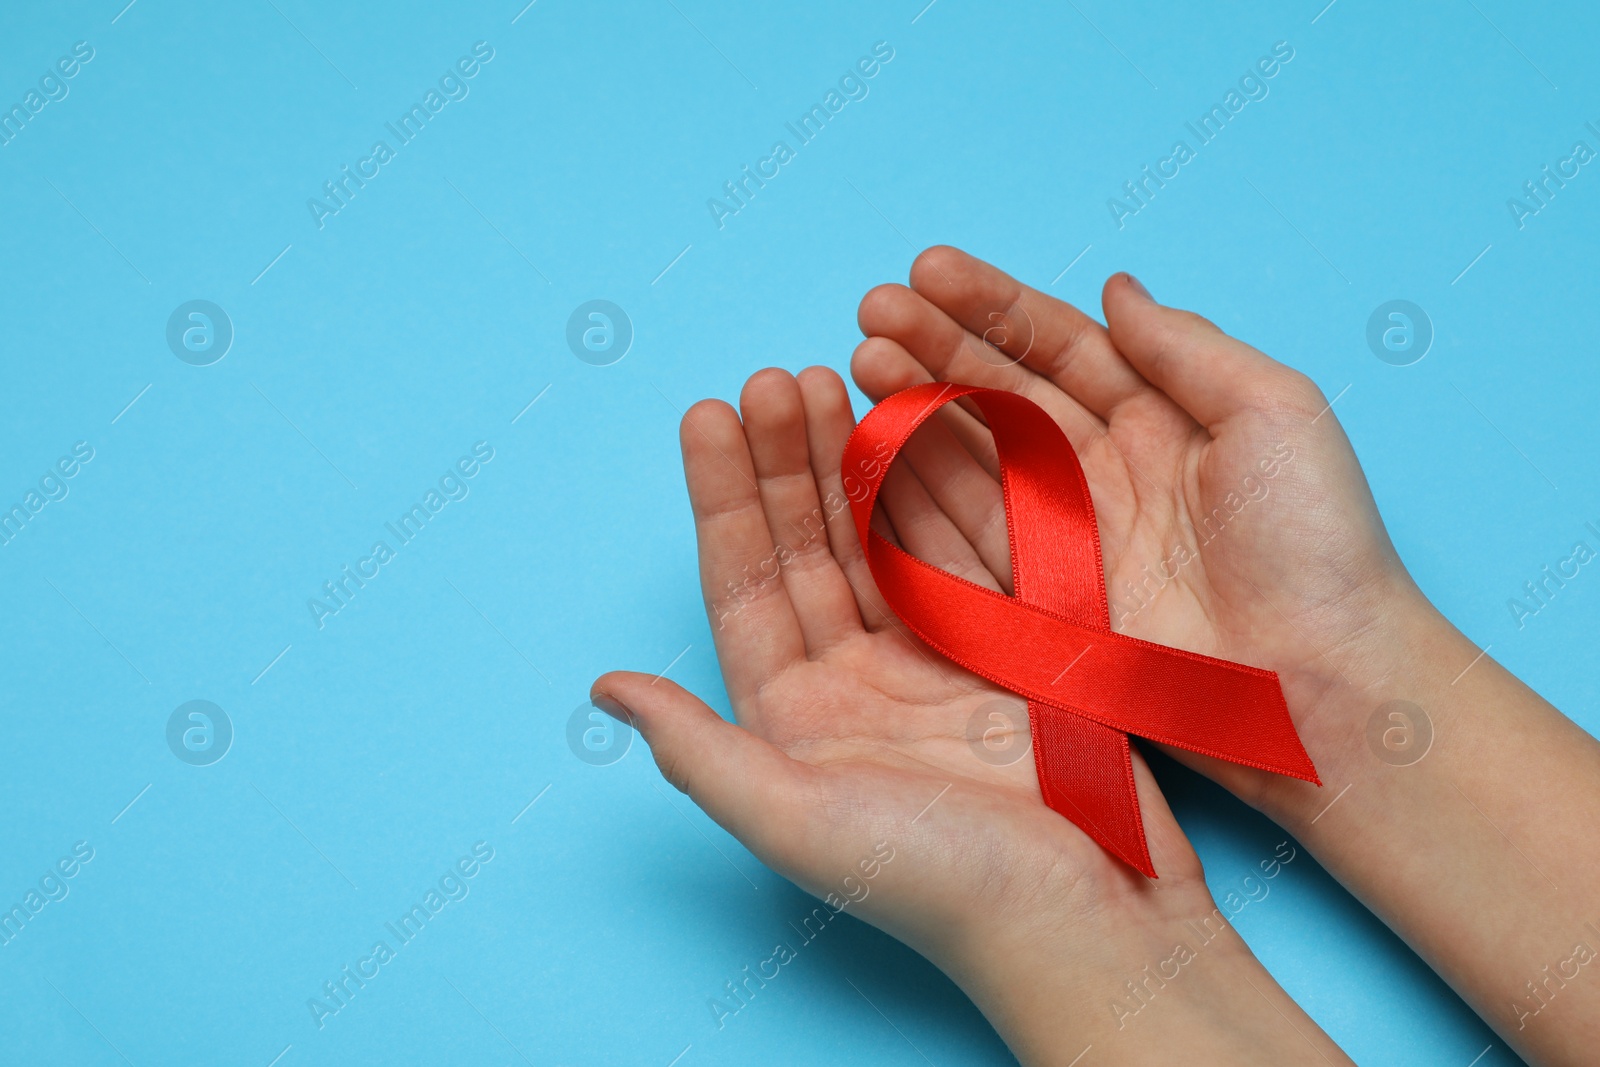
{"type": "Point", "coordinates": [744, 783]}
{"type": "Point", "coordinates": [1207, 373]}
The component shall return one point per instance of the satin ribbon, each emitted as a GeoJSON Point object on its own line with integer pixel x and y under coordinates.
{"type": "Point", "coordinates": [1051, 642]}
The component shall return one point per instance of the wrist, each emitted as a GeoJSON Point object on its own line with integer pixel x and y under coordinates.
{"type": "Point", "coordinates": [1375, 703]}
{"type": "Point", "coordinates": [1445, 798]}
{"type": "Point", "coordinates": [1135, 983]}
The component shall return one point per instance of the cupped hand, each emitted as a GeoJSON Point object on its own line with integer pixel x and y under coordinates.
{"type": "Point", "coordinates": [1234, 518]}
{"type": "Point", "coordinates": [854, 740]}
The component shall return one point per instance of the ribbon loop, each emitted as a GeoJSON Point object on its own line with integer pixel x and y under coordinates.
{"type": "Point", "coordinates": [1051, 641]}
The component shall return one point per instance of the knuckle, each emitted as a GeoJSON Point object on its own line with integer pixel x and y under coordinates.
{"type": "Point", "coordinates": [676, 771]}
{"type": "Point", "coordinates": [1301, 391]}
{"type": "Point", "coordinates": [1289, 394]}
{"type": "Point", "coordinates": [1191, 323]}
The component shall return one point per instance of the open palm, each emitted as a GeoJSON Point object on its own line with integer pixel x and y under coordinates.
{"type": "Point", "coordinates": [851, 733]}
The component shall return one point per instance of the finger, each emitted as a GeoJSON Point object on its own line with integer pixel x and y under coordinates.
{"type": "Point", "coordinates": [1207, 373]}
{"type": "Point", "coordinates": [965, 493]}
{"type": "Point", "coordinates": [752, 620]}
{"type": "Point", "coordinates": [928, 533]}
{"type": "Point", "coordinates": [941, 454]}
{"type": "Point", "coordinates": [775, 425]}
{"type": "Point", "coordinates": [1170, 851]}
{"type": "Point", "coordinates": [951, 354]}
{"type": "Point", "coordinates": [882, 367]}
{"type": "Point", "coordinates": [829, 422]}
{"type": "Point", "coordinates": [1047, 336]}
{"type": "Point", "coordinates": [749, 787]}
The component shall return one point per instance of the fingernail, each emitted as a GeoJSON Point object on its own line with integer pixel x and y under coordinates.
{"type": "Point", "coordinates": [612, 707]}
{"type": "Point", "coordinates": [1138, 286]}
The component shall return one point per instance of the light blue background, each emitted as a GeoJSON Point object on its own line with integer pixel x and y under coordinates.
{"type": "Point", "coordinates": [377, 350]}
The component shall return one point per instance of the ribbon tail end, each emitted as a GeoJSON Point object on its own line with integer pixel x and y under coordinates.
{"type": "Point", "coordinates": [1086, 775]}
{"type": "Point", "coordinates": [1302, 767]}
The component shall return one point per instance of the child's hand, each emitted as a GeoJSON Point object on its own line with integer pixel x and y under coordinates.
{"type": "Point", "coordinates": [1234, 517]}
{"type": "Point", "coordinates": [853, 745]}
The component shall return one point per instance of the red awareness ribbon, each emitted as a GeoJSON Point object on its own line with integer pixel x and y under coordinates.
{"type": "Point", "coordinates": [1051, 642]}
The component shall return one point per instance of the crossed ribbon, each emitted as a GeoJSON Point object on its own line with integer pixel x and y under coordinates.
{"type": "Point", "coordinates": [1057, 619]}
